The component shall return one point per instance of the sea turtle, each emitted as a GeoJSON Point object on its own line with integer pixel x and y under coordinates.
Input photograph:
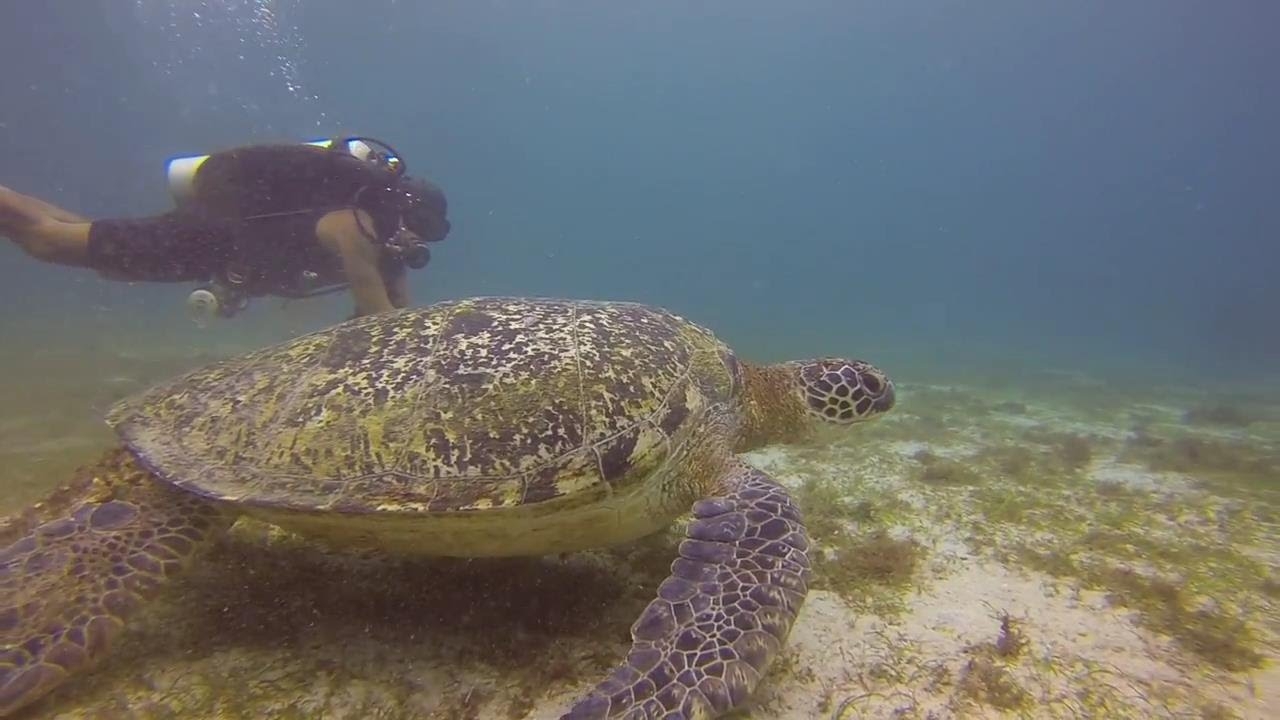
{"type": "Point", "coordinates": [476, 427]}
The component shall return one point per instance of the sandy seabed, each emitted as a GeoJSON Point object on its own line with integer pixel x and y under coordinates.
{"type": "Point", "coordinates": [1004, 609]}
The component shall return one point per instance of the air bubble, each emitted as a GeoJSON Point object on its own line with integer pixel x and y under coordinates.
{"type": "Point", "coordinates": [189, 31]}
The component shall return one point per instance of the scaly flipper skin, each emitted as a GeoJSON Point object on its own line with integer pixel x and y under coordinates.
{"type": "Point", "coordinates": [70, 583]}
{"type": "Point", "coordinates": [701, 647]}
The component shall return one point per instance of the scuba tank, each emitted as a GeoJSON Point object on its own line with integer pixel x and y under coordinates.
{"type": "Point", "coordinates": [225, 296]}
{"type": "Point", "coordinates": [180, 172]}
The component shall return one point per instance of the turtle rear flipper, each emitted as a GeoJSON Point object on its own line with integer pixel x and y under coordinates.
{"type": "Point", "coordinates": [68, 586]}
{"type": "Point", "coordinates": [700, 648]}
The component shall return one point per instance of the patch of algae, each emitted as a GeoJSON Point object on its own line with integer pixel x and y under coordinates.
{"type": "Point", "coordinates": [861, 549]}
{"type": "Point", "coordinates": [987, 677]}
{"type": "Point", "coordinates": [1002, 676]}
{"type": "Point", "coordinates": [1193, 558]}
{"type": "Point", "coordinates": [1180, 560]}
{"type": "Point", "coordinates": [1230, 466]}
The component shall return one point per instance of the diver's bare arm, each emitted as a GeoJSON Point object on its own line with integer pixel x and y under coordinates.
{"type": "Point", "coordinates": [338, 232]}
{"type": "Point", "coordinates": [42, 230]}
{"type": "Point", "coordinates": [398, 289]}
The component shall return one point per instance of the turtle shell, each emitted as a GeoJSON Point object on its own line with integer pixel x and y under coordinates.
{"type": "Point", "coordinates": [465, 405]}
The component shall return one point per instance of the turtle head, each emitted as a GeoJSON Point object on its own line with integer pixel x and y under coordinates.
{"type": "Point", "coordinates": [794, 401]}
{"type": "Point", "coordinates": [843, 392]}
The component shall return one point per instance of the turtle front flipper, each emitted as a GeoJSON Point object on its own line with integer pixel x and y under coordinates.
{"type": "Point", "coordinates": [700, 648]}
{"type": "Point", "coordinates": [96, 552]}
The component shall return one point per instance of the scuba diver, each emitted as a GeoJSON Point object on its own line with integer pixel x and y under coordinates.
{"type": "Point", "coordinates": [287, 220]}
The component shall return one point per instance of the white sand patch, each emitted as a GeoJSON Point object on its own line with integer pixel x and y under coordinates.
{"type": "Point", "coordinates": [1020, 421]}
{"type": "Point", "coordinates": [1136, 477]}
{"type": "Point", "coordinates": [913, 448]}
{"type": "Point", "coordinates": [1108, 430]}
{"type": "Point", "coordinates": [858, 471]}
{"type": "Point", "coordinates": [1170, 413]}
{"type": "Point", "coordinates": [769, 459]}
{"type": "Point", "coordinates": [1080, 656]}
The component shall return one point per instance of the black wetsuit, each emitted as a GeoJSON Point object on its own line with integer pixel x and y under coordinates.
{"type": "Point", "coordinates": [253, 215]}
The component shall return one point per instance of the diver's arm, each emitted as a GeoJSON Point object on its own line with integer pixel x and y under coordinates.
{"type": "Point", "coordinates": [339, 232]}
{"type": "Point", "coordinates": [44, 231]}
{"type": "Point", "coordinates": [398, 288]}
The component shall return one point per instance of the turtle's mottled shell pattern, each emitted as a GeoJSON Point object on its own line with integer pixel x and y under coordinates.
{"type": "Point", "coordinates": [466, 405]}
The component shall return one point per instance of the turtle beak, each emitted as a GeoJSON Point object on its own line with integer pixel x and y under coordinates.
{"type": "Point", "coordinates": [887, 400]}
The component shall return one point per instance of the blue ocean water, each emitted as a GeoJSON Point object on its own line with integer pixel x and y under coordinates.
{"type": "Point", "coordinates": [1085, 182]}
{"type": "Point", "coordinates": [1076, 197]}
